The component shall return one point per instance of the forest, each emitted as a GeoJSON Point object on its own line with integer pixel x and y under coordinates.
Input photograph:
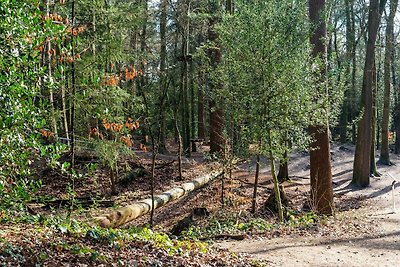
{"type": "Point", "coordinates": [199, 133]}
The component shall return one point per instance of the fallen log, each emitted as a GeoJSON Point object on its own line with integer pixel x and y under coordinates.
{"type": "Point", "coordinates": [129, 213]}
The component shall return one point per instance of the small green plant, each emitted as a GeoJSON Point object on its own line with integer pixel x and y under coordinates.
{"type": "Point", "coordinates": [304, 220]}
{"type": "Point", "coordinates": [110, 152]}
{"type": "Point", "coordinates": [255, 224]}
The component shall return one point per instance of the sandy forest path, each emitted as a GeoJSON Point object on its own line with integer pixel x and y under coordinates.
{"type": "Point", "coordinates": [377, 244]}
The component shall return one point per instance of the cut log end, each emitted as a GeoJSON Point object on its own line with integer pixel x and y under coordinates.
{"type": "Point", "coordinates": [106, 223]}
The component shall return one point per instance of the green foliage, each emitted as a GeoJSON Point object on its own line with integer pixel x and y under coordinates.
{"type": "Point", "coordinates": [118, 237]}
{"type": "Point", "coordinates": [304, 220]}
{"type": "Point", "coordinates": [269, 86]}
{"type": "Point", "coordinates": [12, 251]}
{"type": "Point", "coordinates": [110, 151]}
{"type": "Point", "coordinates": [20, 33]}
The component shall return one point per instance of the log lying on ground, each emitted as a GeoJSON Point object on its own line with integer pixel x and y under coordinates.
{"type": "Point", "coordinates": [129, 213]}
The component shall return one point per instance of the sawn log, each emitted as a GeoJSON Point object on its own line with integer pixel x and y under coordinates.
{"type": "Point", "coordinates": [129, 213]}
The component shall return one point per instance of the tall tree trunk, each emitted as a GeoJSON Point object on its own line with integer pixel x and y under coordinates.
{"type": "Point", "coordinates": [185, 105]}
{"type": "Point", "coordinates": [320, 161]}
{"type": "Point", "coordinates": [384, 156]}
{"type": "Point", "coordinates": [254, 200]}
{"type": "Point", "coordinates": [275, 179]}
{"type": "Point", "coordinates": [48, 53]}
{"type": "Point", "coordinates": [64, 106]}
{"type": "Point", "coordinates": [192, 104]}
{"type": "Point", "coordinates": [353, 90]}
{"type": "Point", "coordinates": [73, 85]}
{"type": "Point", "coordinates": [362, 158]}
{"type": "Point", "coordinates": [346, 116]}
{"type": "Point", "coordinates": [216, 112]}
{"type": "Point", "coordinates": [163, 74]}
{"type": "Point", "coordinates": [201, 128]}
{"type": "Point", "coordinates": [373, 170]}
{"type": "Point", "coordinates": [396, 110]}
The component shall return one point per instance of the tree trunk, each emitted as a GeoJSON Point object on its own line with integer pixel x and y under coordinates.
{"type": "Point", "coordinates": [384, 156]}
{"type": "Point", "coordinates": [320, 161]}
{"type": "Point", "coordinates": [64, 106]}
{"type": "Point", "coordinates": [283, 174]}
{"type": "Point", "coordinates": [362, 158]}
{"type": "Point", "coordinates": [129, 213]}
{"type": "Point", "coordinates": [346, 116]}
{"type": "Point", "coordinates": [353, 90]}
{"type": "Point", "coordinates": [49, 81]}
{"type": "Point", "coordinates": [192, 104]}
{"type": "Point", "coordinates": [163, 74]}
{"type": "Point", "coordinates": [254, 201]}
{"type": "Point", "coordinates": [216, 112]}
{"type": "Point", "coordinates": [113, 182]}
{"type": "Point", "coordinates": [396, 109]}
{"type": "Point", "coordinates": [201, 131]}
{"type": "Point", "coordinates": [373, 169]}
{"type": "Point", "coordinates": [275, 179]}
{"type": "Point", "coordinates": [73, 85]}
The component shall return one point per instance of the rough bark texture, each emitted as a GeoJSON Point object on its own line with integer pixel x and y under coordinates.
{"type": "Point", "coordinates": [373, 169]}
{"type": "Point", "coordinates": [216, 112]}
{"type": "Point", "coordinates": [201, 131]}
{"type": "Point", "coordinates": [277, 191]}
{"type": "Point", "coordinates": [384, 157]}
{"type": "Point", "coordinates": [163, 74]}
{"type": "Point", "coordinates": [362, 158]}
{"type": "Point", "coordinates": [254, 201]}
{"type": "Point", "coordinates": [283, 174]}
{"type": "Point", "coordinates": [346, 115]}
{"type": "Point", "coordinates": [320, 161]}
{"type": "Point", "coordinates": [126, 214]}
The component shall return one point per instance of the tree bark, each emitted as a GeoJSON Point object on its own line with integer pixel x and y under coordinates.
{"type": "Point", "coordinates": [384, 156]}
{"type": "Point", "coordinates": [320, 161]}
{"type": "Point", "coordinates": [362, 158]}
{"type": "Point", "coordinates": [275, 179]}
{"type": "Point", "coordinates": [254, 201]}
{"type": "Point", "coordinates": [373, 169]}
{"type": "Point", "coordinates": [201, 128]}
{"type": "Point", "coordinates": [163, 74]}
{"type": "Point", "coordinates": [396, 109]}
{"type": "Point", "coordinates": [73, 85]}
{"type": "Point", "coordinates": [129, 213]}
{"type": "Point", "coordinates": [283, 174]}
{"type": "Point", "coordinates": [216, 112]}
{"type": "Point", "coordinates": [346, 115]}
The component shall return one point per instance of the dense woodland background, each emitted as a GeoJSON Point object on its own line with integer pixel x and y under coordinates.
{"type": "Point", "coordinates": [123, 80]}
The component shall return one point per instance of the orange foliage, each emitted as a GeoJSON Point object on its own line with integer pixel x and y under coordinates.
{"type": "Point", "coordinates": [130, 73]}
{"type": "Point", "coordinates": [75, 30]}
{"type": "Point", "coordinates": [142, 147]}
{"type": "Point", "coordinates": [106, 124]}
{"type": "Point", "coordinates": [94, 133]}
{"type": "Point", "coordinates": [112, 80]}
{"type": "Point", "coordinates": [45, 133]}
{"type": "Point", "coordinates": [116, 127]}
{"type": "Point", "coordinates": [132, 125]}
{"type": "Point", "coordinates": [126, 140]}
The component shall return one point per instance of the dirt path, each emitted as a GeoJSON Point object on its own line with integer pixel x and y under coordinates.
{"type": "Point", "coordinates": [377, 246]}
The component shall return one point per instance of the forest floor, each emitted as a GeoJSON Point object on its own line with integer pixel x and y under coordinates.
{"type": "Point", "coordinates": [365, 230]}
